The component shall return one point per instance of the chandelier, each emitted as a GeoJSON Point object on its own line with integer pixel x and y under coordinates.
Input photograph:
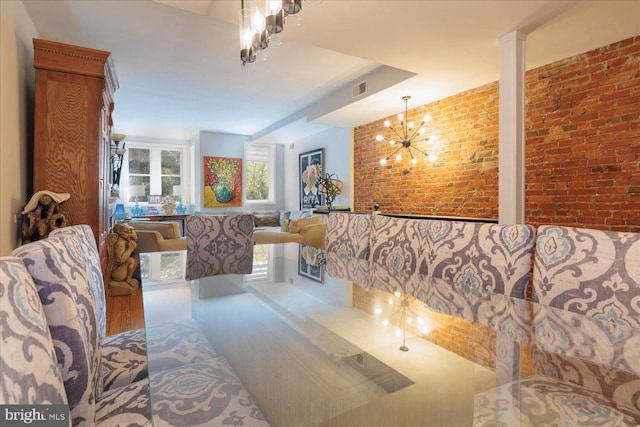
{"type": "Point", "coordinates": [400, 313]}
{"type": "Point", "coordinates": [408, 135]}
{"type": "Point", "coordinates": [261, 22]}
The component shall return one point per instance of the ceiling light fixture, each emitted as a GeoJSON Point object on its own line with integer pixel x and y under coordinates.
{"type": "Point", "coordinates": [407, 136]}
{"type": "Point", "coordinates": [260, 22]}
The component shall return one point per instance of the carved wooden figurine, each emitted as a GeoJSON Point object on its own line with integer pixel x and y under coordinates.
{"type": "Point", "coordinates": [121, 248]}
{"type": "Point", "coordinates": [42, 215]}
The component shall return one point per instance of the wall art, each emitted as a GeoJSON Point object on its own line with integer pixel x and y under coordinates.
{"type": "Point", "coordinates": [222, 181]}
{"type": "Point", "coordinates": [311, 170]}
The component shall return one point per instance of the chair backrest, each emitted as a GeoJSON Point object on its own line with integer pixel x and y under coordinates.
{"type": "Point", "coordinates": [350, 268]}
{"type": "Point", "coordinates": [591, 272]}
{"type": "Point", "coordinates": [84, 234]}
{"type": "Point", "coordinates": [397, 243]}
{"type": "Point", "coordinates": [492, 257]}
{"type": "Point", "coordinates": [57, 265]}
{"type": "Point", "coordinates": [30, 372]}
{"type": "Point", "coordinates": [587, 286]}
{"type": "Point", "coordinates": [348, 234]}
{"type": "Point", "coordinates": [219, 245]}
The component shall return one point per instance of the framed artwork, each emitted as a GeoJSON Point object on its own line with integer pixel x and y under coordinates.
{"type": "Point", "coordinates": [311, 170]}
{"type": "Point", "coordinates": [222, 181]}
{"type": "Point", "coordinates": [310, 263]}
{"type": "Point", "coordinates": [155, 199]}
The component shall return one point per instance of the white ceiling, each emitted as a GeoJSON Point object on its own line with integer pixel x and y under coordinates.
{"type": "Point", "coordinates": [179, 68]}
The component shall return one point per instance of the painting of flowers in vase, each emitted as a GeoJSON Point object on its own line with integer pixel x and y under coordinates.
{"type": "Point", "coordinates": [222, 182]}
{"type": "Point", "coordinates": [311, 170]}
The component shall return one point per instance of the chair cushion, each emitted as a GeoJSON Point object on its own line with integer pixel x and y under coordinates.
{"type": "Point", "coordinates": [30, 372]}
{"type": "Point", "coordinates": [170, 344]}
{"type": "Point", "coordinates": [126, 406]}
{"type": "Point", "coordinates": [549, 402]}
{"type": "Point", "coordinates": [295, 225]}
{"type": "Point", "coordinates": [209, 393]}
{"type": "Point", "coordinates": [267, 219]}
{"type": "Point", "coordinates": [305, 213]}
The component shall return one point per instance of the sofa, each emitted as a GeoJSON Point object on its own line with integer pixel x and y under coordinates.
{"type": "Point", "coordinates": [269, 220]}
{"type": "Point", "coordinates": [157, 236]}
{"type": "Point", "coordinates": [273, 226]}
{"type": "Point", "coordinates": [309, 231]}
{"type": "Point", "coordinates": [53, 349]}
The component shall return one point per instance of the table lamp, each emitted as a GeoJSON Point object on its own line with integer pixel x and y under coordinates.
{"type": "Point", "coordinates": [137, 190]}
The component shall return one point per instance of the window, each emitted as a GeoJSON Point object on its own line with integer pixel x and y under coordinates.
{"type": "Point", "coordinates": [162, 267]}
{"type": "Point", "coordinates": [259, 181]}
{"type": "Point", "coordinates": [263, 264]}
{"type": "Point", "coordinates": [159, 168]}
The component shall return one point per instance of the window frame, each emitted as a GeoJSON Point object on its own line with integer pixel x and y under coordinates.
{"type": "Point", "coordinates": [155, 163]}
{"type": "Point", "coordinates": [272, 171]}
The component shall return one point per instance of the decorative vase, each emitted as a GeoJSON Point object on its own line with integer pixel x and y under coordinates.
{"type": "Point", "coordinates": [119, 213]}
{"type": "Point", "coordinates": [169, 209]}
{"type": "Point", "coordinates": [223, 192]}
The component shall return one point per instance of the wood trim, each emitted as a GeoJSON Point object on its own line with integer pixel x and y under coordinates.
{"type": "Point", "coordinates": [66, 58]}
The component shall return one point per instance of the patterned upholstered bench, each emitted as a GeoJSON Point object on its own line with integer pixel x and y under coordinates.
{"type": "Point", "coordinates": [52, 301]}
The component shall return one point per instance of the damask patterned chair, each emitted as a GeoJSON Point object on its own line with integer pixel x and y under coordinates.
{"type": "Point", "coordinates": [30, 372]}
{"type": "Point", "coordinates": [348, 235]}
{"type": "Point", "coordinates": [57, 267]}
{"type": "Point", "coordinates": [349, 268]}
{"type": "Point", "coordinates": [209, 391]}
{"type": "Point", "coordinates": [219, 245]}
{"type": "Point", "coordinates": [397, 244]}
{"type": "Point", "coordinates": [586, 334]}
{"type": "Point", "coordinates": [124, 355]}
{"type": "Point", "coordinates": [589, 280]}
{"type": "Point", "coordinates": [492, 257]}
{"type": "Point", "coordinates": [591, 272]}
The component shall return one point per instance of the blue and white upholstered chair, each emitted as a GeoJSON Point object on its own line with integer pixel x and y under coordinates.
{"type": "Point", "coordinates": [219, 245]}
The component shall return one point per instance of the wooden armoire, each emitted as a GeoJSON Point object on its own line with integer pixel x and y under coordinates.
{"type": "Point", "coordinates": [73, 107]}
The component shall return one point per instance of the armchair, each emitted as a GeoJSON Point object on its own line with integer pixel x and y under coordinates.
{"type": "Point", "coordinates": [157, 236]}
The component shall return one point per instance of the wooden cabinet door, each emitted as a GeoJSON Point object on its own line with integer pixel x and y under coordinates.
{"type": "Point", "coordinates": [74, 100]}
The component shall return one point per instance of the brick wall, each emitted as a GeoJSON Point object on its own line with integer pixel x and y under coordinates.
{"type": "Point", "coordinates": [582, 152]}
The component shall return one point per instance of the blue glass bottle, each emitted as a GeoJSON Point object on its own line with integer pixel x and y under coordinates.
{"type": "Point", "coordinates": [119, 214]}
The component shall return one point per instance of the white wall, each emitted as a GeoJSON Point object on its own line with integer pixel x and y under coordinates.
{"type": "Point", "coordinates": [230, 145]}
{"type": "Point", "coordinates": [338, 158]}
{"type": "Point", "coordinates": [17, 86]}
